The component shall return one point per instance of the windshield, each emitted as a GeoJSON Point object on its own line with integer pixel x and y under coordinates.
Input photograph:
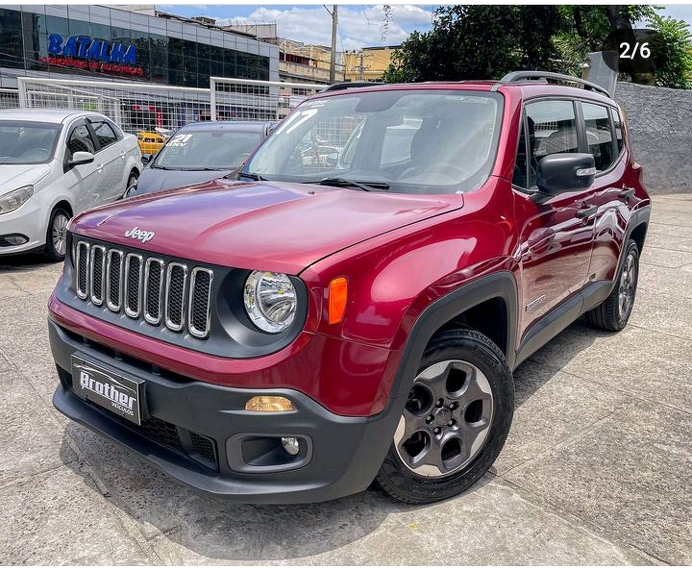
{"type": "Point", "coordinates": [27, 143]}
{"type": "Point", "coordinates": [215, 149]}
{"type": "Point", "coordinates": [410, 141]}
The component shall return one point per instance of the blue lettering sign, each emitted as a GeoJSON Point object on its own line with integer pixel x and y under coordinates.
{"type": "Point", "coordinates": [83, 47]}
{"type": "Point", "coordinates": [54, 44]}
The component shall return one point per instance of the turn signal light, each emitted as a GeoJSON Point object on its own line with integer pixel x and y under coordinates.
{"type": "Point", "coordinates": [269, 404]}
{"type": "Point", "coordinates": [338, 295]}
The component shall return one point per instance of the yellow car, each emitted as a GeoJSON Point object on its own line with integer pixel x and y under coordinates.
{"type": "Point", "coordinates": [150, 143]}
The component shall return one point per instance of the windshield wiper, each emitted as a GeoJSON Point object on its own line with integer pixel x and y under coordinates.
{"type": "Point", "coordinates": [344, 183]}
{"type": "Point", "coordinates": [251, 176]}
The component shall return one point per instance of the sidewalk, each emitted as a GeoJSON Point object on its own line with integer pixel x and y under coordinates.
{"type": "Point", "coordinates": [596, 469]}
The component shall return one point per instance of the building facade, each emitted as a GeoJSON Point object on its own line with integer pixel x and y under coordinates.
{"type": "Point", "coordinates": [367, 64]}
{"type": "Point", "coordinates": [108, 43]}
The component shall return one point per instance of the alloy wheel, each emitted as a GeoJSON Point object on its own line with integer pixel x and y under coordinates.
{"type": "Point", "coordinates": [627, 285]}
{"type": "Point", "coordinates": [59, 233]}
{"type": "Point", "coordinates": [446, 419]}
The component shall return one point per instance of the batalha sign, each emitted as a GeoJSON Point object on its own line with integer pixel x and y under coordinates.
{"type": "Point", "coordinates": [92, 54]}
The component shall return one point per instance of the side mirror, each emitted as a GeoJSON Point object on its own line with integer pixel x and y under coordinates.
{"type": "Point", "coordinates": [80, 157]}
{"type": "Point", "coordinates": [566, 172]}
{"type": "Point", "coordinates": [146, 159]}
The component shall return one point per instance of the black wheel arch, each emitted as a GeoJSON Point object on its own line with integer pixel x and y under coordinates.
{"type": "Point", "coordinates": [497, 292]}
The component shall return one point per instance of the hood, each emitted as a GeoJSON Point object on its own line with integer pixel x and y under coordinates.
{"type": "Point", "coordinates": [264, 225]}
{"type": "Point", "coordinates": [155, 179]}
{"type": "Point", "coordinates": [14, 176]}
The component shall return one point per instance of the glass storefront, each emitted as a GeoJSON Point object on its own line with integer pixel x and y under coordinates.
{"type": "Point", "coordinates": [32, 40]}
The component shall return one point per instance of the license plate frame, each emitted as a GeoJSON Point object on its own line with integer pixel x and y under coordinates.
{"type": "Point", "coordinates": [107, 389]}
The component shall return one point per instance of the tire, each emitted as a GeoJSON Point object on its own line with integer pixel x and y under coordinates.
{"type": "Point", "coordinates": [56, 235]}
{"type": "Point", "coordinates": [613, 313]}
{"type": "Point", "coordinates": [455, 421]}
{"type": "Point", "coordinates": [131, 181]}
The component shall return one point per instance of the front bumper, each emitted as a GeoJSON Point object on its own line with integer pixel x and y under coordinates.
{"type": "Point", "coordinates": [201, 435]}
{"type": "Point", "coordinates": [30, 221]}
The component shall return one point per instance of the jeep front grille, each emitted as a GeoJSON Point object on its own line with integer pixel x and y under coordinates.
{"type": "Point", "coordinates": [146, 288]}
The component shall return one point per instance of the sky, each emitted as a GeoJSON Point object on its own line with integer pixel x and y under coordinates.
{"type": "Point", "coordinates": [359, 25]}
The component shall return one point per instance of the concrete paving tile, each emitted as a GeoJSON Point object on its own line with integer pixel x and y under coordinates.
{"type": "Point", "coordinates": [55, 518]}
{"type": "Point", "coordinates": [668, 242]}
{"type": "Point", "coordinates": [660, 374]}
{"type": "Point", "coordinates": [24, 282]}
{"type": "Point", "coordinates": [151, 498]}
{"type": "Point", "coordinates": [663, 280]}
{"type": "Point", "coordinates": [629, 477]}
{"type": "Point", "coordinates": [665, 257]}
{"type": "Point", "coordinates": [5, 363]}
{"type": "Point", "coordinates": [668, 314]}
{"type": "Point", "coordinates": [30, 438]}
{"type": "Point", "coordinates": [676, 231]}
{"type": "Point", "coordinates": [493, 525]}
{"type": "Point", "coordinates": [24, 342]}
{"type": "Point", "coordinates": [552, 407]}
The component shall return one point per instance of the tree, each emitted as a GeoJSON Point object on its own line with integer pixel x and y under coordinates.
{"type": "Point", "coordinates": [672, 52]}
{"type": "Point", "coordinates": [479, 42]}
{"type": "Point", "coordinates": [485, 42]}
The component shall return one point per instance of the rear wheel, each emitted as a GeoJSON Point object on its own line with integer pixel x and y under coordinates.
{"type": "Point", "coordinates": [613, 313]}
{"type": "Point", "coordinates": [455, 420]}
{"type": "Point", "coordinates": [56, 236]}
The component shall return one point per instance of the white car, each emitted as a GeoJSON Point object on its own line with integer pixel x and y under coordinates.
{"type": "Point", "coordinates": [55, 164]}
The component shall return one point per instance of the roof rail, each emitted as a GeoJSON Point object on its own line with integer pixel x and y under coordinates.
{"type": "Point", "coordinates": [516, 76]}
{"type": "Point", "coordinates": [351, 85]}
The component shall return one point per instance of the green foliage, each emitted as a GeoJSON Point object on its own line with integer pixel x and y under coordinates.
{"type": "Point", "coordinates": [672, 52]}
{"type": "Point", "coordinates": [485, 42]}
{"type": "Point", "coordinates": [478, 42]}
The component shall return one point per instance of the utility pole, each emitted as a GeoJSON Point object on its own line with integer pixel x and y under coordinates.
{"type": "Point", "coordinates": [332, 64]}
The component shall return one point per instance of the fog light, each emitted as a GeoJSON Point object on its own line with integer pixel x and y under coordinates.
{"type": "Point", "coordinates": [269, 404]}
{"type": "Point", "coordinates": [13, 239]}
{"type": "Point", "coordinates": [291, 445]}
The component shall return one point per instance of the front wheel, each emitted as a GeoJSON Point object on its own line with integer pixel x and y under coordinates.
{"type": "Point", "coordinates": [131, 182]}
{"type": "Point", "coordinates": [455, 420]}
{"type": "Point", "coordinates": [56, 236]}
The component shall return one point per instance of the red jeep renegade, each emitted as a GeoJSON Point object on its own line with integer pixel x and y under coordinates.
{"type": "Point", "coordinates": [351, 309]}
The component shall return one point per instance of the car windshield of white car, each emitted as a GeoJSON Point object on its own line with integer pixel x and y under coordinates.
{"type": "Point", "coordinates": [218, 149]}
{"type": "Point", "coordinates": [24, 142]}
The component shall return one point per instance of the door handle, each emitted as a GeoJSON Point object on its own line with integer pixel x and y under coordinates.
{"type": "Point", "coordinates": [626, 192]}
{"type": "Point", "coordinates": [587, 212]}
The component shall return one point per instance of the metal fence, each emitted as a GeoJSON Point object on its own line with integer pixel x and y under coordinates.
{"type": "Point", "coordinates": [140, 107]}
{"type": "Point", "coordinates": [252, 100]}
{"type": "Point", "coordinates": [9, 99]}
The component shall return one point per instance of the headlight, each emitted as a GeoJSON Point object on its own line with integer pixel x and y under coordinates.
{"type": "Point", "coordinates": [270, 300]}
{"type": "Point", "coordinates": [12, 200]}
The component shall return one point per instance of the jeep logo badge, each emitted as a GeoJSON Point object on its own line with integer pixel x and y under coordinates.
{"type": "Point", "coordinates": [141, 235]}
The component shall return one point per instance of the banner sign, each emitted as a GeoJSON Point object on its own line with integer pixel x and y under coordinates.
{"type": "Point", "coordinates": [87, 53]}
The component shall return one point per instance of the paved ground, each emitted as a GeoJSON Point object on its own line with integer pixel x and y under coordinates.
{"type": "Point", "coordinates": [596, 469]}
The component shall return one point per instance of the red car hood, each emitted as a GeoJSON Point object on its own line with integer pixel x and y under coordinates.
{"type": "Point", "coordinates": [265, 225]}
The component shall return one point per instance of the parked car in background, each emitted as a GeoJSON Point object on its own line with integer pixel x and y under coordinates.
{"type": "Point", "coordinates": [200, 152]}
{"type": "Point", "coordinates": [150, 143]}
{"type": "Point", "coordinates": [55, 164]}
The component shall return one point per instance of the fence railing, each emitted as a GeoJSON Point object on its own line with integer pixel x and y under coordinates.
{"type": "Point", "coordinates": [146, 107]}
{"type": "Point", "coordinates": [246, 99]}
{"type": "Point", "coordinates": [9, 99]}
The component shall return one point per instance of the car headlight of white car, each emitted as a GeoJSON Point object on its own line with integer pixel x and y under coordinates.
{"type": "Point", "coordinates": [270, 300]}
{"type": "Point", "coordinates": [12, 200]}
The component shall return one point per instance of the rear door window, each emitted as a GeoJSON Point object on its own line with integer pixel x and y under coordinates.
{"type": "Point", "coordinates": [599, 135]}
